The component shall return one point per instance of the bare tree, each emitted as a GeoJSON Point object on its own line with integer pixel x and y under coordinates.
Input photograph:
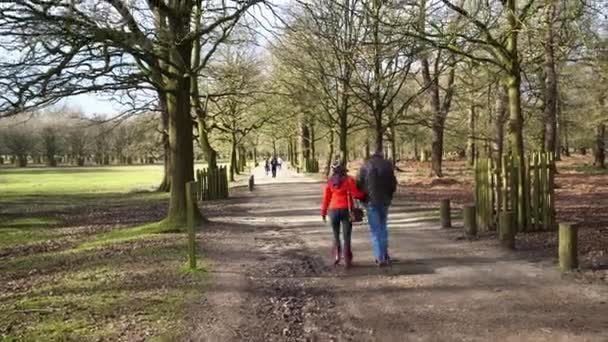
{"type": "Point", "coordinates": [76, 47]}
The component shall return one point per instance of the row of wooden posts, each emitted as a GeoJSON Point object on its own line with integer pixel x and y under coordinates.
{"type": "Point", "coordinates": [567, 236]}
{"type": "Point", "coordinates": [522, 198]}
{"type": "Point", "coordinates": [208, 185]}
{"type": "Point", "coordinates": [212, 184]}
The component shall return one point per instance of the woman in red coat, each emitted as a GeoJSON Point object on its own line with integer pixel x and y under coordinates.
{"type": "Point", "coordinates": [340, 192]}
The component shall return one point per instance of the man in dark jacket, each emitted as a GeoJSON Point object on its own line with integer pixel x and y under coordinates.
{"type": "Point", "coordinates": [377, 179]}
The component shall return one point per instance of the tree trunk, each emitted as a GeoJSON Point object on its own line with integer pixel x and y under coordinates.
{"type": "Point", "coordinates": [304, 146]}
{"type": "Point", "coordinates": [437, 148]}
{"type": "Point", "coordinates": [550, 137]}
{"type": "Point", "coordinates": [501, 117]}
{"type": "Point", "coordinates": [180, 131]}
{"type": "Point", "coordinates": [208, 150]}
{"type": "Point", "coordinates": [22, 160]}
{"type": "Point", "coordinates": [313, 145]}
{"type": "Point", "coordinates": [566, 139]}
{"type": "Point", "coordinates": [344, 137]}
{"type": "Point", "coordinates": [471, 143]}
{"type": "Point", "coordinates": [600, 147]}
{"type": "Point", "coordinates": [330, 154]}
{"type": "Point", "coordinates": [165, 185]}
{"type": "Point", "coordinates": [379, 134]}
{"type": "Point", "coordinates": [367, 147]}
{"type": "Point", "coordinates": [233, 161]}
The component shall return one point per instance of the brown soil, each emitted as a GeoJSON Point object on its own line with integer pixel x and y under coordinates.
{"type": "Point", "coordinates": [271, 280]}
{"type": "Point", "coordinates": [580, 198]}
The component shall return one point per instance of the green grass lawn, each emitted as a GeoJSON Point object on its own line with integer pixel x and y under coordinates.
{"type": "Point", "coordinates": [69, 180]}
{"type": "Point", "coordinates": [73, 267]}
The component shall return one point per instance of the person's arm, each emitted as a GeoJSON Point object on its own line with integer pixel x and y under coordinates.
{"type": "Point", "coordinates": [326, 200]}
{"type": "Point", "coordinates": [393, 183]}
{"type": "Point", "coordinates": [360, 182]}
{"type": "Point", "coordinates": [355, 191]}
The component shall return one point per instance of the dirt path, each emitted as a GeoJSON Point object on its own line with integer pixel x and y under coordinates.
{"type": "Point", "coordinates": [270, 280]}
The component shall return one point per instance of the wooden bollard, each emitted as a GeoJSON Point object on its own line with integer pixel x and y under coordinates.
{"type": "Point", "coordinates": [568, 249]}
{"type": "Point", "coordinates": [470, 223]}
{"type": "Point", "coordinates": [506, 230]}
{"type": "Point", "coordinates": [251, 183]}
{"type": "Point", "coordinates": [444, 213]}
{"type": "Point", "coordinates": [190, 207]}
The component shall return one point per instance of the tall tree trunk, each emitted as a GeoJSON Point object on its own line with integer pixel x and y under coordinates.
{"type": "Point", "coordinates": [367, 146]}
{"type": "Point", "coordinates": [22, 160]}
{"type": "Point", "coordinates": [233, 160]}
{"type": "Point", "coordinates": [393, 145]}
{"type": "Point", "coordinates": [313, 145]}
{"type": "Point", "coordinates": [437, 148]}
{"type": "Point", "coordinates": [180, 124]}
{"type": "Point", "coordinates": [513, 83]}
{"type": "Point", "coordinates": [566, 138]}
{"type": "Point", "coordinates": [343, 136]}
{"type": "Point", "coordinates": [330, 153]}
{"type": "Point", "coordinates": [501, 118]}
{"type": "Point", "coordinates": [165, 184]}
{"type": "Point", "coordinates": [205, 144]}
{"type": "Point", "coordinates": [471, 143]}
{"type": "Point", "coordinates": [304, 146]}
{"type": "Point", "coordinates": [600, 147]}
{"type": "Point", "coordinates": [550, 137]}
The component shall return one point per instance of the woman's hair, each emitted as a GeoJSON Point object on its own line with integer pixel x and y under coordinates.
{"type": "Point", "coordinates": [339, 173]}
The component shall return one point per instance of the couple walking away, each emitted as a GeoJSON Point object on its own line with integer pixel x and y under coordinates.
{"type": "Point", "coordinates": [374, 186]}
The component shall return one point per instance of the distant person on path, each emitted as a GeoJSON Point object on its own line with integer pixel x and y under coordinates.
{"type": "Point", "coordinates": [339, 194]}
{"type": "Point", "coordinates": [273, 165]}
{"type": "Point", "coordinates": [266, 166]}
{"type": "Point", "coordinates": [377, 180]}
{"type": "Point", "coordinates": [280, 163]}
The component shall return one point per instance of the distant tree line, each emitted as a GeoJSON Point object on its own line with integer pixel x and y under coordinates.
{"type": "Point", "coordinates": [69, 138]}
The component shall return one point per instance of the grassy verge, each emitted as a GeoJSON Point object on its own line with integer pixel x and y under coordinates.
{"type": "Point", "coordinates": [106, 274]}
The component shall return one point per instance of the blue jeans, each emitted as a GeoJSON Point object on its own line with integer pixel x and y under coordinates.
{"type": "Point", "coordinates": [340, 217]}
{"type": "Point", "coordinates": [377, 217]}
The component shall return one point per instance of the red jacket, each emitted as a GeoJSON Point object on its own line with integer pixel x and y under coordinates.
{"type": "Point", "coordinates": [337, 197]}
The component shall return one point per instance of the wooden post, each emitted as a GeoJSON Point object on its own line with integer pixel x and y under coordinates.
{"type": "Point", "coordinates": [527, 197]}
{"type": "Point", "coordinates": [444, 213]}
{"type": "Point", "coordinates": [544, 190]}
{"type": "Point", "coordinates": [506, 230]}
{"type": "Point", "coordinates": [536, 199]}
{"type": "Point", "coordinates": [514, 186]}
{"type": "Point", "coordinates": [190, 207]}
{"type": "Point", "coordinates": [251, 183]}
{"type": "Point", "coordinates": [490, 194]}
{"type": "Point", "coordinates": [468, 215]}
{"type": "Point", "coordinates": [568, 249]}
{"type": "Point", "coordinates": [551, 192]}
{"type": "Point", "coordinates": [505, 183]}
{"type": "Point", "coordinates": [224, 183]}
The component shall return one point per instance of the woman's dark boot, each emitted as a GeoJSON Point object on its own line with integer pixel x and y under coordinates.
{"type": "Point", "coordinates": [335, 250]}
{"type": "Point", "coordinates": [348, 257]}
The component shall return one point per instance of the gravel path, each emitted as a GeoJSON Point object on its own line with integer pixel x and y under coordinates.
{"type": "Point", "coordinates": [271, 280]}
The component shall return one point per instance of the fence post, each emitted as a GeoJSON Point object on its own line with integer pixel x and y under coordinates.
{"type": "Point", "coordinates": [568, 249]}
{"type": "Point", "coordinates": [470, 224]}
{"type": "Point", "coordinates": [444, 212]}
{"type": "Point", "coordinates": [506, 230]}
{"type": "Point", "coordinates": [190, 207]}
{"type": "Point", "coordinates": [536, 197]}
{"type": "Point", "coordinates": [251, 183]}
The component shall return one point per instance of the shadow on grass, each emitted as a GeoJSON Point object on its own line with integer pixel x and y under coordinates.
{"type": "Point", "coordinates": [93, 293]}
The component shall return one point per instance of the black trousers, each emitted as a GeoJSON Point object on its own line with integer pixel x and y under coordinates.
{"type": "Point", "coordinates": [341, 218]}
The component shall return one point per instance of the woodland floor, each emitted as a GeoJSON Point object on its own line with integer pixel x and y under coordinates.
{"type": "Point", "coordinates": [581, 198]}
{"type": "Point", "coordinates": [271, 280]}
{"type": "Point", "coordinates": [266, 277]}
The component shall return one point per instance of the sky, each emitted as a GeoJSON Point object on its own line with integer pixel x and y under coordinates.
{"type": "Point", "coordinates": [91, 104]}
